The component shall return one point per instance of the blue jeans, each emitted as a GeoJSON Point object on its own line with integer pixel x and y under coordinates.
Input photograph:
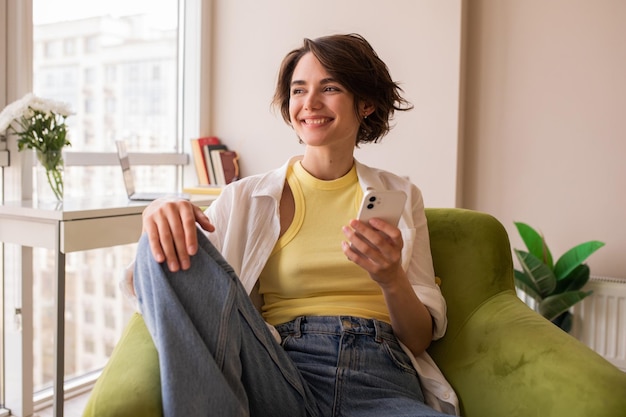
{"type": "Point", "coordinates": [354, 367]}
{"type": "Point", "coordinates": [218, 358]}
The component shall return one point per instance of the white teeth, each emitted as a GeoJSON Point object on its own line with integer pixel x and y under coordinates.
{"type": "Point", "coordinates": [315, 121]}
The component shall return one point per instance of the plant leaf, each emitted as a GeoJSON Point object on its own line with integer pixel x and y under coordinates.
{"type": "Point", "coordinates": [574, 281]}
{"type": "Point", "coordinates": [550, 307]}
{"type": "Point", "coordinates": [574, 257]}
{"type": "Point", "coordinates": [538, 272]}
{"type": "Point", "coordinates": [564, 321]}
{"type": "Point", "coordinates": [535, 243]}
{"type": "Point", "coordinates": [526, 284]}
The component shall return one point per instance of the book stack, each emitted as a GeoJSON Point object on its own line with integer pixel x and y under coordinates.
{"type": "Point", "coordinates": [215, 164]}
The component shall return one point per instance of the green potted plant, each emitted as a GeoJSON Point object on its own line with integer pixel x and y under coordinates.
{"type": "Point", "coordinates": [555, 287]}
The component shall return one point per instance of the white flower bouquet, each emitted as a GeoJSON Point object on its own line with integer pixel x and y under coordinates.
{"type": "Point", "coordinates": [40, 125]}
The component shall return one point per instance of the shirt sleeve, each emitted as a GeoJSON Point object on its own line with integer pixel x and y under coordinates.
{"type": "Point", "coordinates": [420, 269]}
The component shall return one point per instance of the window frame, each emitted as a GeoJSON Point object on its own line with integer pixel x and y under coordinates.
{"type": "Point", "coordinates": [16, 79]}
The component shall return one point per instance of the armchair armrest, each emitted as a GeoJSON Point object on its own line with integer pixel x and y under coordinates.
{"type": "Point", "coordinates": [508, 360]}
{"type": "Point", "coordinates": [501, 357]}
{"type": "Point", "coordinates": [130, 384]}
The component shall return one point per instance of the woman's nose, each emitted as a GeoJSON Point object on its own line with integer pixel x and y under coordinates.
{"type": "Point", "coordinates": [312, 101]}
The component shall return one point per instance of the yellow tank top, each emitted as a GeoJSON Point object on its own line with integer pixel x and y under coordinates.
{"type": "Point", "coordinates": [307, 272]}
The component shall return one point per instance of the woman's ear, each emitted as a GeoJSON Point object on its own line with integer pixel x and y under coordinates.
{"type": "Point", "coordinates": [366, 108]}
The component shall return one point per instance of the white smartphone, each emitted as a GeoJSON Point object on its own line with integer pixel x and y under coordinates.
{"type": "Point", "coordinates": [386, 205]}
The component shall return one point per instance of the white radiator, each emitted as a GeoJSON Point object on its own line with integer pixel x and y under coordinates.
{"type": "Point", "coordinates": [600, 319]}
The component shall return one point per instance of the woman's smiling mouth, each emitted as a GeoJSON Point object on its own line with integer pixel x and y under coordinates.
{"type": "Point", "coordinates": [317, 121]}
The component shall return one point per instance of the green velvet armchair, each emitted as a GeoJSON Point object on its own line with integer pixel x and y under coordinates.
{"type": "Point", "coordinates": [502, 358]}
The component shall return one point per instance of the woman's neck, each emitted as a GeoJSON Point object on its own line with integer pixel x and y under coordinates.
{"type": "Point", "coordinates": [327, 165]}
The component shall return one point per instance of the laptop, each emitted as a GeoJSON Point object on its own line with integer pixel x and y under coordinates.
{"type": "Point", "coordinates": [129, 181]}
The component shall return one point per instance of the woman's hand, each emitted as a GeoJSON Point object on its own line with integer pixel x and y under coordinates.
{"type": "Point", "coordinates": [171, 228]}
{"type": "Point", "coordinates": [375, 246]}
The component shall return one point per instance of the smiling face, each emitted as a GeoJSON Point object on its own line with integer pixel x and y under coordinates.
{"type": "Point", "coordinates": [321, 110]}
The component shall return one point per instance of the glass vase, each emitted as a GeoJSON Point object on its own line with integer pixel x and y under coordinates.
{"type": "Point", "coordinates": [50, 175]}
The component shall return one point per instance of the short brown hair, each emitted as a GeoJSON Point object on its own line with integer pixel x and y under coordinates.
{"type": "Point", "coordinates": [352, 61]}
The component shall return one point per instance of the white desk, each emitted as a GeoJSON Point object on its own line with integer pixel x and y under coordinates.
{"type": "Point", "coordinates": [69, 227]}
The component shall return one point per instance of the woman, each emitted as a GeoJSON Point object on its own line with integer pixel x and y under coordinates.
{"type": "Point", "coordinates": [289, 306]}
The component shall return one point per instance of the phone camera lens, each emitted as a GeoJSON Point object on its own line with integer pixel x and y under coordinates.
{"type": "Point", "coordinates": [372, 199]}
{"type": "Point", "coordinates": [370, 206]}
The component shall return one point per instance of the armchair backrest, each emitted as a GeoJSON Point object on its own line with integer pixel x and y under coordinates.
{"type": "Point", "coordinates": [472, 257]}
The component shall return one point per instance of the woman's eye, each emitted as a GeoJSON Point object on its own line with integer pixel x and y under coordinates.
{"type": "Point", "coordinates": [331, 88]}
{"type": "Point", "coordinates": [296, 91]}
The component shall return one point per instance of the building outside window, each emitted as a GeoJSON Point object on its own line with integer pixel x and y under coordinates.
{"type": "Point", "coordinates": [69, 46]}
{"type": "Point", "coordinates": [117, 66]}
{"type": "Point", "coordinates": [131, 52]}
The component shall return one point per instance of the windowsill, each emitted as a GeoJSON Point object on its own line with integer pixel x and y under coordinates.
{"type": "Point", "coordinates": [77, 391]}
{"type": "Point", "coordinates": [73, 407]}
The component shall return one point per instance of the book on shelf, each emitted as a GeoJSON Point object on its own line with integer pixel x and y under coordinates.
{"type": "Point", "coordinates": [230, 166]}
{"type": "Point", "coordinates": [218, 169]}
{"type": "Point", "coordinates": [199, 160]}
{"type": "Point", "coordinates": [210, 164]}
{"type": "Point", "coordinates": [226, 166]}
{"type": "Point", "coordinates": [215, 164]}
{"type": "Point", "coordinates": [203, 189]}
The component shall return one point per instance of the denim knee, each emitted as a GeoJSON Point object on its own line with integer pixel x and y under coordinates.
{"type": "Point", "coordinates": [143, 249]}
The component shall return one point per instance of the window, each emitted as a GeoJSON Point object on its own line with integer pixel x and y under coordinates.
{"type": "Point", "coordinates": [60, 62]}
{"type": "Point", "coordinates": [116, 64]}
{"type": "Point", "coordinates": [90, 76]}
{"type": "Point", "coordinates": [91, 44]}
{"type": "Point", "coordinates": [110, 73]}
{"type": "Point", "coordinates": [51, 49]}
{"type": "Point", "coordinates": [69, 46]}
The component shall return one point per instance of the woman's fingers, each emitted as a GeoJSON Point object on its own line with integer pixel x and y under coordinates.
{"type": "Point", "coordinates": [376, 246]}
{"type": "Point", "coordinates": [171, 229]}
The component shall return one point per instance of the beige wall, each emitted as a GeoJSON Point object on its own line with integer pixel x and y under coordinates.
{"type": "Point", "coordinates": [419, 40]}
{"type": "Point", "coordinates": [544, 103]}
{"type": "Point", "coordinates": [545, 121]}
